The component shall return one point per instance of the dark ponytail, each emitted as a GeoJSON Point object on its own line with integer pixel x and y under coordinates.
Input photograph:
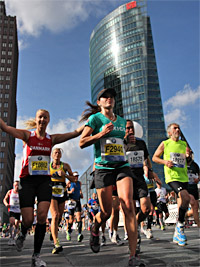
{"type": "Point", "coordinates": [93, 109]}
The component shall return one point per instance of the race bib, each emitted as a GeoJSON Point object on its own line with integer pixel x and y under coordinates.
{"type": "Point", "coordinates": [57, 191]}
{"type": "Point", "coordinates": [150, 186]}
{"type": "Point", "coordinates": [135, 158]}
{"type": "Point", "coordinates": [39, 165]}
{"type": "Point", "coordinates": [112, 149]}
{"type": "Point", "coordinates": [14, 205]}
{"type": "Point", "coordinates": [191, 177]}
{"type": "Point", "coordinates": [178, 159]}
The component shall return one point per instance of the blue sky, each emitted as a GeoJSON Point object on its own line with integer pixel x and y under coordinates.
{"type": "Point", "coordinates": [54, 64]}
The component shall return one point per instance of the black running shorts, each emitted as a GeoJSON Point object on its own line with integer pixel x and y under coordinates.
{"type": "Point", "coordinates": [107, 177]}
{"type": "Point", "coordinates": [34, 186]}
{"type": "Point", "coordinates": [178, 186]}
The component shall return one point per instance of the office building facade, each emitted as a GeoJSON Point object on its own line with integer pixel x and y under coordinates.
{"type": "Point", "coordinates": [122, 56]}
{"type": "Point", "coordinates": [8, 106]}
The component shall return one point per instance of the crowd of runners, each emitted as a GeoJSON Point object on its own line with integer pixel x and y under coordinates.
{"type": "Point", "coordinates": [123, 183]}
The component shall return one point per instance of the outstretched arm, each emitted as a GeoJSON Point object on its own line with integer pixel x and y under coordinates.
{"type": "Point", "coordinates": [17, 133]}
{"type": "Point", "coordinates": [60, 138]}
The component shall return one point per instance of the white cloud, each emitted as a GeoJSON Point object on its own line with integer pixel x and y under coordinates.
{"type": "Point", "coordinates": [175, 115]}
{"type": "Point", "coordinates": [78, 159]}
{"type": "Point", "coordinates": [55, 15]}
{"type": "Point", "coordinates": [176, 108]}
{"type": "Point", "coordinates": [187, 96]}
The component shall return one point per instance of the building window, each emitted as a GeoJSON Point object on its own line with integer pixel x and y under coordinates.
{"type": "Point", "coordinates": [2, 154]}
{"type": "Point", "coordinates": [1, 176]}
{"type": "Point", "coordinates": [3, 53]}
{"type": "Point", "coordinates": [3, 134]}
{"type": "Point", "coordinates": [0, 105]}
{"type": "Point", "coordinates": [2, 69]}
{"type": "Point", "coordinates": [1, 86]}
{"type": "Point", "coordinates": [5, 105]}
{"type": "Point", "coordinates": [8, 69]}
{"type": "Point", "coordinates": [7, 86]}
{"type": "Point", "coordinates": [1, 78]}
{"type": "Point", "coordinates": [10, 45]}
{"type": "Point", "coordinates": [4, 45]}
{"type": "Point", "coordinates": [5, 114]}
{"type": "Point", "coordinates": [3, 60]}
{"type": "Point", "coordinates": [1, 95]}
{"type": "Point", "coordinates": [9, 53]}
{"type": "Point", "coordinates": [1, 165]}
{"type": "Point", "coordinates": [0, 188]}
{"type": "Point", "coordinates": [3, 144]}
{"type": "Point", "coordinates": [6, 96]}
{"type": "Point", "coordinates": [7, 78]}
{"type": "Point", "coordinates": [9, 61]}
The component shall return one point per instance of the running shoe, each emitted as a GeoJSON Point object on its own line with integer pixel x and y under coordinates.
{"type": "Point", "coordinates": [135, 261]}
{"type": "Point", "coordinates": [117, 240]}
{"type": "Point", "coordinates": [126, 236]}
{"type": "Point", "coordinates": [20, 242]}
{"type": "Point", "coordinates": [94, 241]}
{"type": "Point", "coordinates": [80, 238]}
{"type": "Point", "coordinates": [103, 241]}
{"type": "Point", "coordinates": [56, 249]}
{"type": "Point", "coordinates": [177, 238]}
{"type": "Point", "coordinates": [68, 236]}
{"type": "Point", "coordinates": [37, 262]}
{"type": "Point", "coordinates": [162, 227]}
{"type": "Point", "coordinates": [177, 241]}
{"type": "Point", "coordinates": [180, 232]}
{"type": "Point", "coordinates": [149, 234]}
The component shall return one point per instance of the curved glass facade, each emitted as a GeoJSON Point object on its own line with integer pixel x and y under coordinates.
{"type": "Point", "coordinates": [122, 56]}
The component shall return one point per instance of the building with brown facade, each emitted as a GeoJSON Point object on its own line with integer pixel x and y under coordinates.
{"type": "Point", "coordinates": [8, 106]}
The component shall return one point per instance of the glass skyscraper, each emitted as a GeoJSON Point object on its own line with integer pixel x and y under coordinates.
{"type": "Point", "coordinates": [122, 56]}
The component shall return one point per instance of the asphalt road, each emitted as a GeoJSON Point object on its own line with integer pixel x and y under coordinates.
{"type": "Point", "coordinates": [159, 251]}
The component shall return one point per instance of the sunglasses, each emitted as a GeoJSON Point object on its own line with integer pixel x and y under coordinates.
{"type": "Point", "coordinates": [128, 128]}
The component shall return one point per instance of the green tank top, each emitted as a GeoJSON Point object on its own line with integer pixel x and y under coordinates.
{"type": "Point", "coordinates": [175, 151]}
{"type": "Point", "coordinates": [109, 150]}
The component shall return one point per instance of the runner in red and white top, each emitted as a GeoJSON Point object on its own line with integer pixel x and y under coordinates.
{"type": "Point", "coordinates": [35, 176]}
{"type": "Point", "coordinates": [11, 201]}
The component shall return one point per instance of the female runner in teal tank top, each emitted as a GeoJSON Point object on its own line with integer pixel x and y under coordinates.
{"type": "Point", "coordinates": [106, 132]}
